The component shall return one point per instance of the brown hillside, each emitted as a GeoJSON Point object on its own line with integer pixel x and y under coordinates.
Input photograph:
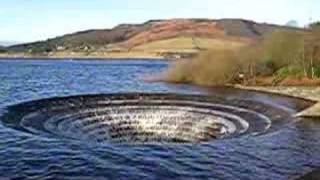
{"type": "Point", "coordinates": [129, 36]}
{"type": "Point", "coordinates": [174, 28]}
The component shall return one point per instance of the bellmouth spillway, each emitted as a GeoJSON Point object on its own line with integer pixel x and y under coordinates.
{"type": "Point", "coordinates": [144, 118]}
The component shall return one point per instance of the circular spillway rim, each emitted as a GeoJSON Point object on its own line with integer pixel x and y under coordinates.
{"type": "Point", "coordinates": [213, 105]}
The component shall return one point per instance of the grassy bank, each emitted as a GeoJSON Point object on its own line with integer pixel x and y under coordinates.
{"type": "Point", "coordinates": [284, 57]}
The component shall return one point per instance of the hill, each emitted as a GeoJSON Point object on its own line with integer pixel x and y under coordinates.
{"type": "Point", "coordinates": [155, 38]}
{"type": "Point", "coordinates": [8, 43]}
{"type": "Point", "coordinates": [3, 49]}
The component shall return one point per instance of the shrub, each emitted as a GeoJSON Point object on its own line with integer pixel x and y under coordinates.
{"type": "Point", "coordinates": [282, 48]}
{"type": "Point", "coordinates": [286, 71]}
{"type": "Point", "coordinates": [312, 51]}
{"type": "Point", "coordinates": [280, 54]}
{"type": "Point", "coordinates": [208, 68]}
{"type": "Point", "coordinates": [178, 72]}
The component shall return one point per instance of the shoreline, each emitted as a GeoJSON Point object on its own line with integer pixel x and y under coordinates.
{"type": "Point", "coordinates": [83, 58]}
{"type": "Point", "coordinates": [80, 56]}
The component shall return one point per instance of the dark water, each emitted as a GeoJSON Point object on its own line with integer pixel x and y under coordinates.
{"type": "Point", "coordinates": [289, 150]}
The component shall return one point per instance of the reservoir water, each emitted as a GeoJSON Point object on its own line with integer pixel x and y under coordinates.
{"type": "Point", "coordinates": [53, 126]}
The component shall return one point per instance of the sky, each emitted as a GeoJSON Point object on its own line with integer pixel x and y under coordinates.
{"type": "Point", "coordinates": [32, 20]}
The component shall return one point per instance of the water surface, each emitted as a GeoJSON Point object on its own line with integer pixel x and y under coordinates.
{"type": "Point", "coordinates": [290, 150]}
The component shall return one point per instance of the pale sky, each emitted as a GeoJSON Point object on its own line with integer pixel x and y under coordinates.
{"type": "Point", "coordinates": [31, 20]}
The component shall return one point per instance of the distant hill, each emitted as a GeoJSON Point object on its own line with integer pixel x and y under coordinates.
{"type": "Point", "coordinates": [8, 43]}
{"type": "Point", "coordinates": [3, 49]}
{"type": "Point", "coordinates": [292, 23]}
{"type": "Point", "coordinates": [154, 37]}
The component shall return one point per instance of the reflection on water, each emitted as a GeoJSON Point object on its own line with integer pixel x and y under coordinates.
{"type": "Point", "coordinates": [284, 153]}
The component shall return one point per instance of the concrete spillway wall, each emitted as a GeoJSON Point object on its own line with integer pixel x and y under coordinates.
{"type": "Point", "coordinates": [310, 93]}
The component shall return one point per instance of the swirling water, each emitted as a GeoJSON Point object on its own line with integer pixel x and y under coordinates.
{"type": "Point", "coordinates": [290, 148]}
